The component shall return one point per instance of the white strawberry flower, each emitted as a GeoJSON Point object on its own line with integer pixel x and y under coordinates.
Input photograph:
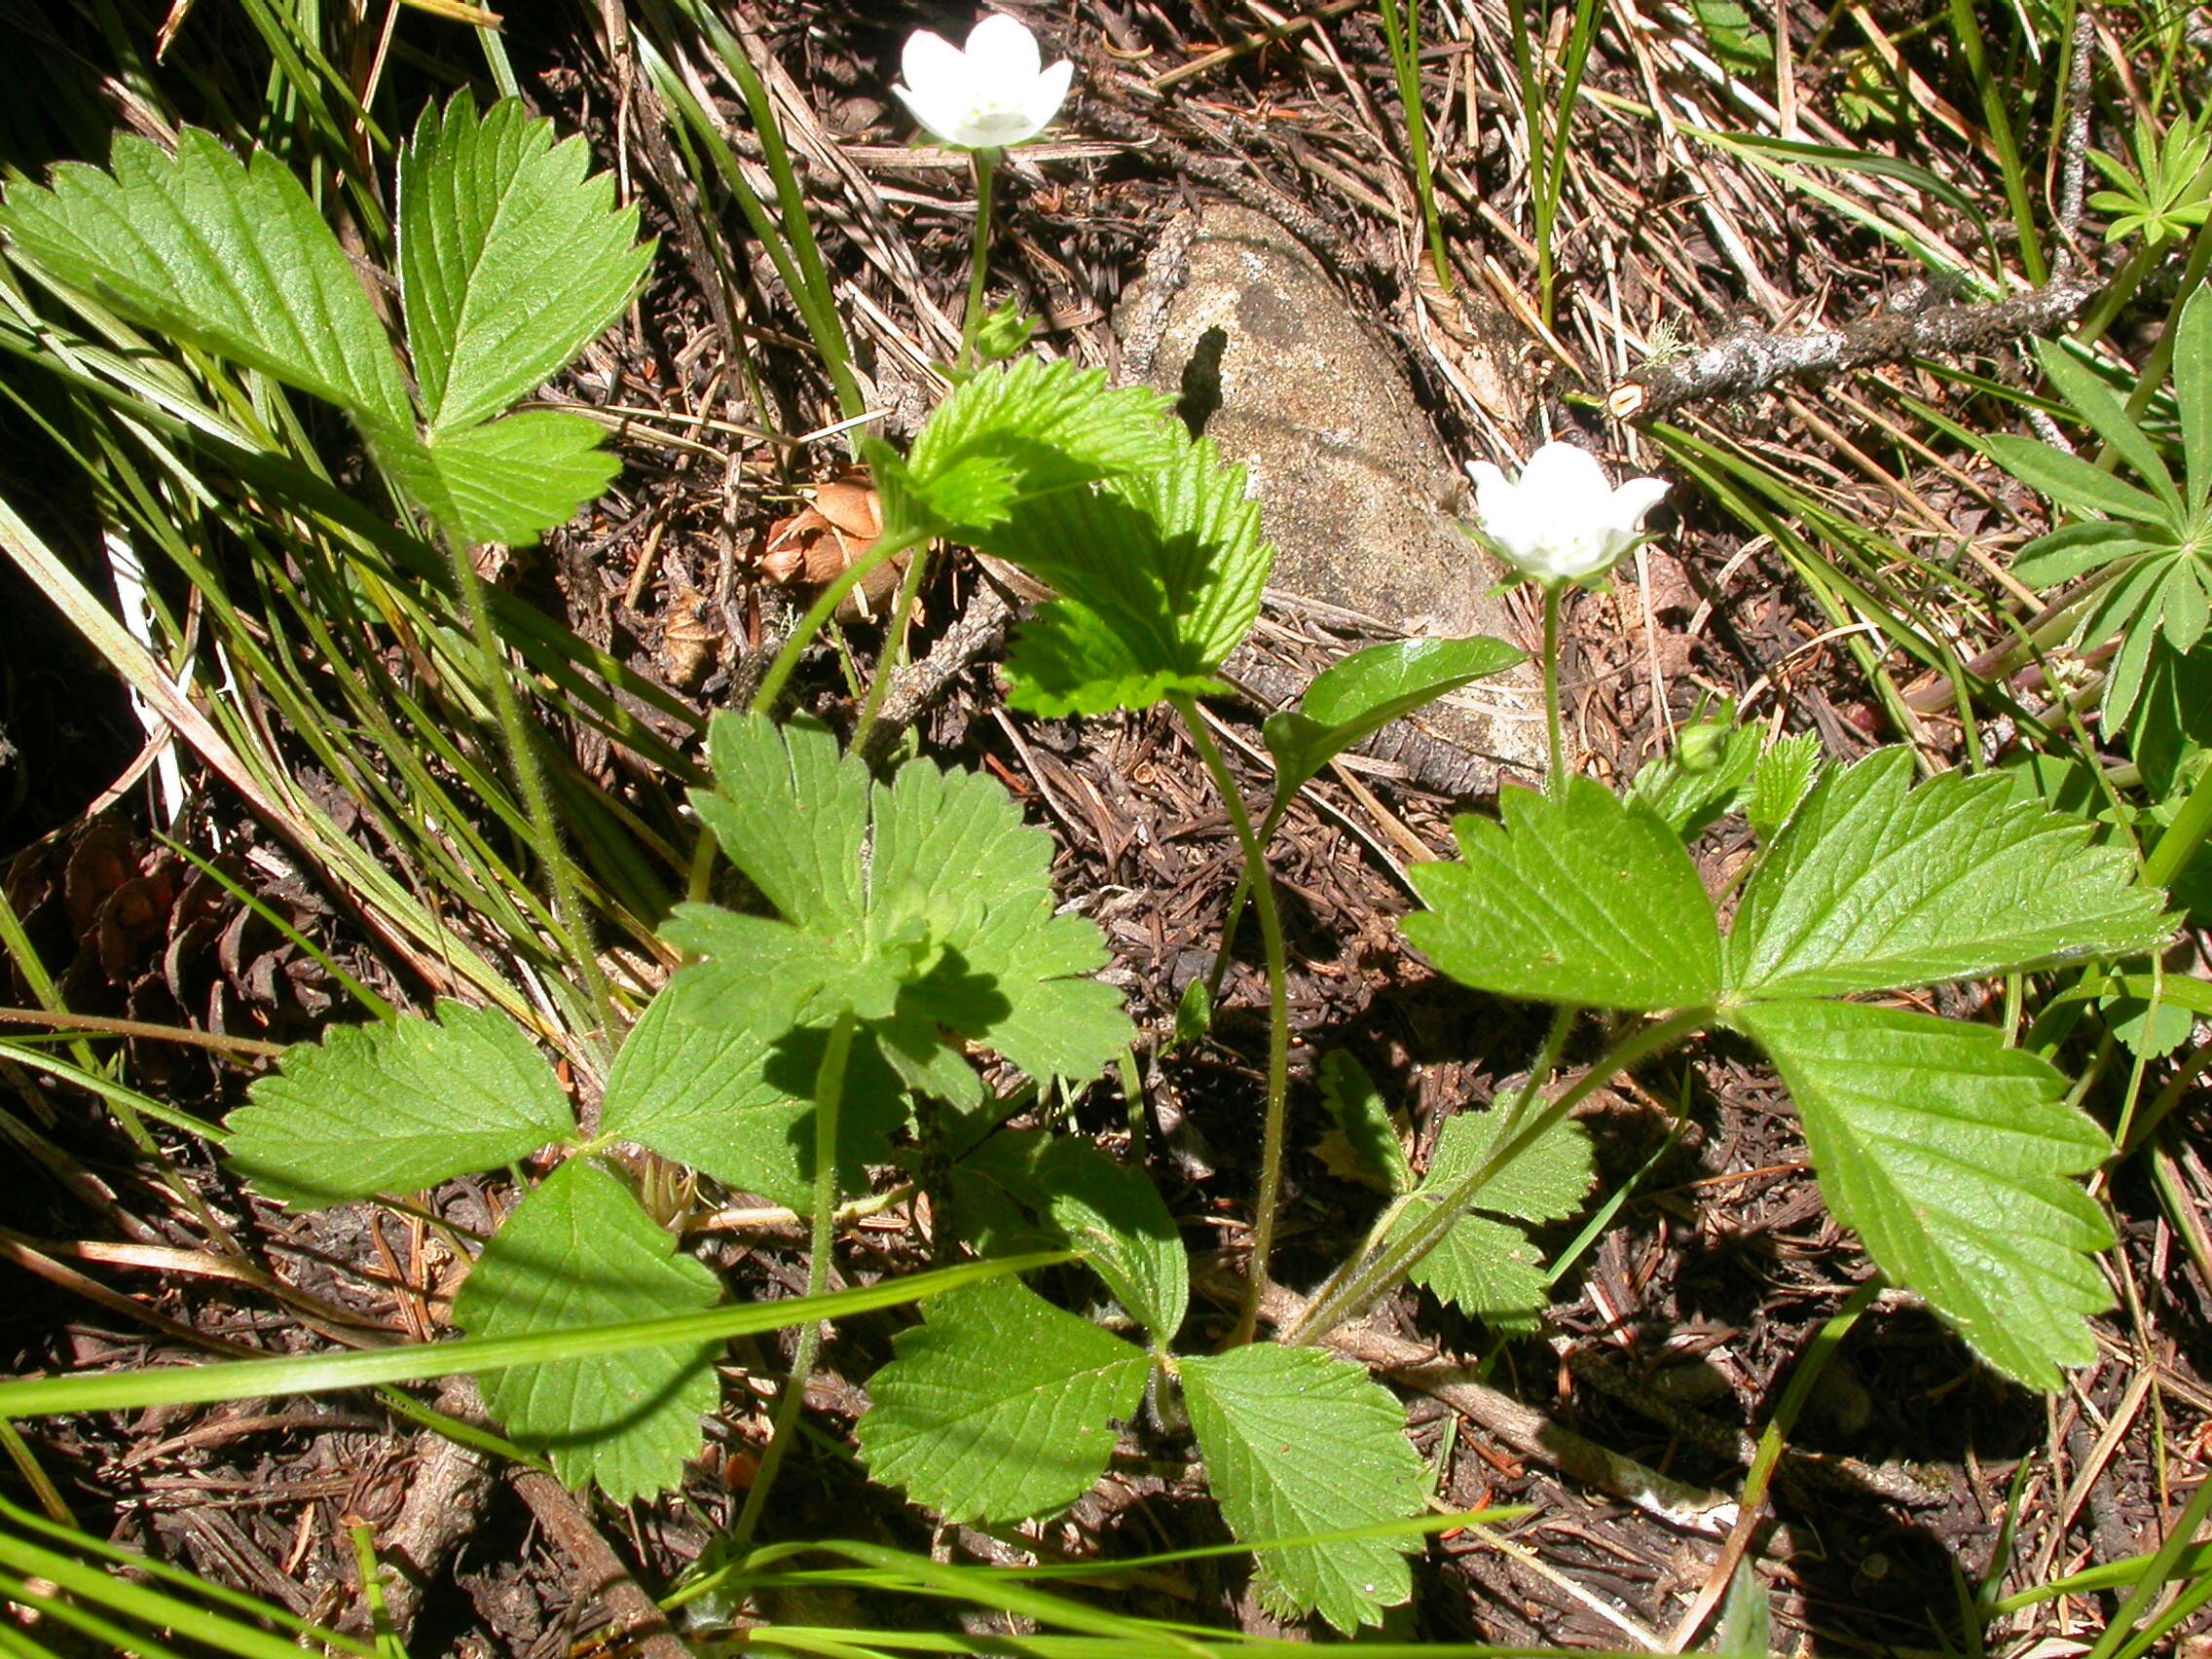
{"type": "Point", "coordinates": [1561, 521]}
{"type": "Point", "coordinates": [990, 94]}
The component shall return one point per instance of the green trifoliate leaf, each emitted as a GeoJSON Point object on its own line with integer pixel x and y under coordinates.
{"type": "Point", "coordinates": [999, 1408]}
{"type": "Point", "coordinates": [1484, 1265]}
{"type": "Point", "coordinates": [511, 261]}
{"type": "Point", "coordinates": [1370, 1137]}
{"type": "Point", "coordinates": [232, 257]}
{"type": "Point", "coordinates": [1159, 574]}
{"type": "Point", "coordinates": [509, 480]}
{"type": "Point", "coordinates": [1489, 1272]}
{"type": "Point", "coordinates": [1948, 1154]}
{"type": "Point", "coordinates": [1877, 884]}
{"type": "Point", "coordinates": [1352, 700]}
{"type": "Point", "coordinates": [1585, 900]}
{"type": "Point", "coordinates": [1780, 781]}
{"type": "Point", "coordinates": [579, 1251]}
{"type": "Point", "coordinates": [1299, 1443]}
{"type": "Point", "coordinates": [1033, 1190]}
{"type": "Point", "coordinates": [1008, 435]}
{"type": "Point", "coordinates": [738, 1103]}
{"type": "Point", "coordinates": [924, 906]}
{"type": "Point", "coordinates": [397, 1108]}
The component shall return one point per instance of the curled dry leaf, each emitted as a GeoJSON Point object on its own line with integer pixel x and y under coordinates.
{"type": "Point", "coordinates": [809, 549]}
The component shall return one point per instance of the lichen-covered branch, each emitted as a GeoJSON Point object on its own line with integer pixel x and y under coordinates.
{"type": "Point", "coordinates": [1754, 361]}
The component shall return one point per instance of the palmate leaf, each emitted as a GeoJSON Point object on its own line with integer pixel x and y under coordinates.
{"type": "Point", "coordinates": [1584, 900]}
{"type": "Point", "coordinates": [580, 1251]}
{"type": "Point", "coordinates": [232, 257]}
{"type": "Point", "coordinates": [999, 1407]}
{"type": "Point", "coordinates": [1486, 1267]}
{"type": "Point", "coordinates": [397, 1108]}
{"type": "Point", "coordinates": [511, 261]}
{"type": "Point", "coordinates": [1877, 885]}
{"type": "Point", "coordinates": [737, 1102]}
{"type": "Point", "coordinates": [1948, 1154]}
{"type": "Point", "coordinates": [924, 905]}
{"type": "Point", "coordinates": [1298, 1442]}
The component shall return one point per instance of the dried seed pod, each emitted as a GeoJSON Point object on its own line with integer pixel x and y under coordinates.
{"type": "Point", "coordinates": [811, 548]}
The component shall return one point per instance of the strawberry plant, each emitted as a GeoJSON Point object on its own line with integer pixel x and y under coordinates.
{"type": "Point", "coordinates": [891, 964]}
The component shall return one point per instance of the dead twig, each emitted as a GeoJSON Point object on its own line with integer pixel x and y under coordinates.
{"type": "Point", "coordinates": [1755, 361]}
{"type": "Point", "coordinates": [600, 1575]}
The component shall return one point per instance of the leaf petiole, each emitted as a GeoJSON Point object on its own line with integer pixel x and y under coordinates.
{"type": "Point", "coordinates": [888, 547]}
{"type": "Point", "coordinates": [1353, 1288]}
{"type": "Point", "coordinates": [829, 1097]}
{"type": "Point", "coordinates": [1272, 1134]}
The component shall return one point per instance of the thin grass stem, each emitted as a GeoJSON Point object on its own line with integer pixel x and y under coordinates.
{"type": "Point", "coordinates": [1401, 28]}
{"type": "Point", "coordinates": [538, 800]}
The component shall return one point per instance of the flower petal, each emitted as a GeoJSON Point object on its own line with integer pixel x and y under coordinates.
{"type": "Point", "coordinates": [932, 65]}
{"type": "Point", "coordinates": [1560, 473]}
{"type": "Point", "coordinates": [1634, 498]}
{"type": "Point", "coordinates": [943, 113]}
{"type": "Point", "coordinates": [1002, 58]}
{"type": "Point", "coordinates": [1052, 92]}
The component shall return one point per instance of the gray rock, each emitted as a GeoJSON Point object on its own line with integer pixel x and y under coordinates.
{"type": "Point", "coordinates": [1242, 323]}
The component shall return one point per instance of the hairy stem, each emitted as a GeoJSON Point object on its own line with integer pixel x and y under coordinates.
{"type": "Point", "coordinates": [1273, 1136]}
{"type": "Point", "coordinates": [538, 800]}
{"type": "Point", "coordinates": [829, 1097]}
{"type": "Point", "coordinates": [979, 261]}
{"type": "Point", "coordinates": [1357, 1285]}
{"type": "Point", "coordinates": [894, 653]}
{"type": "Point", "coordinates": [1555, 780]}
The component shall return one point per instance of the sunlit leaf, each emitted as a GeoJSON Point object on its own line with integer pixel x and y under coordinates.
{"type": "Point", "coordinates": [580, 1251]}
{"type": "Point", "coordinates": [1583, 899]}
{"type": "Point", "coordinates": [1298, 1442]}
{"type": "Point", "coordinates": [1949, 1155]}
{"type": "Point", "coordinates": [397, 1108]}
{"type": "Point", "coordinates": [999, 1406]}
